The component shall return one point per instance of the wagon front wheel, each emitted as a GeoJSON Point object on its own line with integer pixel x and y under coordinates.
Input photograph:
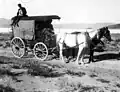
{"type": "Point", "coordinates": [40, 51]}
{"type": "Point", "coordinates": [18, 47]}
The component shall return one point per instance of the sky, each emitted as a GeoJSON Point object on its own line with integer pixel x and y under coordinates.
{"type": "Point", "coordinates": [70, 11]}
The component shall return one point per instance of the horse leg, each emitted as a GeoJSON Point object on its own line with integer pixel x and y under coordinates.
{"type": "Point", "coordinates": [73, 52]}
{"type": "Point", "coordinates": [91, 56]}
{"type": "Point", "coordinates": [61, 52]}
{"type": "Point", "coordinates": [68, 55]}
{"type": "Point", "coordinates": [83, 54]}
{"type": "Point", "coordinates": [79, 54]}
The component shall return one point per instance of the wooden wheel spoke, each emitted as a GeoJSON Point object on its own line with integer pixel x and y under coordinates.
{"type": "Point", "coordinates": [40, 51]}
{"type": "Point", "coordinates": [18, 47]}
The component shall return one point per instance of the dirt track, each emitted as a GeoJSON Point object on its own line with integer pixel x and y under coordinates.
{"type": "Point", "coordinates": [32, 75]}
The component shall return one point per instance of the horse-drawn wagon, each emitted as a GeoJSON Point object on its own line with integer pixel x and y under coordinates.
{"type": "Point", "coordinates": [34, 34]}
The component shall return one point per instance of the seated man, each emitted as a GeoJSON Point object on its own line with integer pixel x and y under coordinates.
{"type": "Point", "coordinates": [21, 13]}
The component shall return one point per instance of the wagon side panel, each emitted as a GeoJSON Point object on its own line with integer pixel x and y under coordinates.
{"type": "Point", "coordinates": [25, 29]}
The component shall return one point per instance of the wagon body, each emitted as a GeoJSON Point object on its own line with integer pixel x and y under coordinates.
{"type": "Point", "coordinates": [35, 34]}
{"type": "Point", "coordinates": [25, 30]}
{"type": "Point", "coordinates": [26, 27]}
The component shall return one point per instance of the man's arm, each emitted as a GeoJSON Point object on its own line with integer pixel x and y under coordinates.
{"type": "Point", "coordinates": [18, 12]}
{"type": "Point", "coordinates": [24, 11]}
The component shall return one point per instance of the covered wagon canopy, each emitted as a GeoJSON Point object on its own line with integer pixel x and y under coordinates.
{"type": "Point", "coordinates": [41, 18]}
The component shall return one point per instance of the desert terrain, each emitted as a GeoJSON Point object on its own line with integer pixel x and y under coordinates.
{"type": "Point", "coordinates": [29, 74]}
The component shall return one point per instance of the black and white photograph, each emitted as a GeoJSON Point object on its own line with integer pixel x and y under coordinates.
{"type": "Point", "coordinates": [59, 46]}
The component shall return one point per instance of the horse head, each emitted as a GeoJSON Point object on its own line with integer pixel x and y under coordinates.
{"type": "Point", "coordinates": [104, 32]}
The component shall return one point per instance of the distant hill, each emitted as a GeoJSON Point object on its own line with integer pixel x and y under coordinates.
{"type": "Point", "coordinates": [117, 26]}
{"type": "Point", "coordinates": [84, 25]}
{"type": "Point", "coordinates": [4, 23]}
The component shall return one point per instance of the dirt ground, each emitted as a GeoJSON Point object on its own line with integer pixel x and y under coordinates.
{"type": "Point", "coordinates": [31, 75]}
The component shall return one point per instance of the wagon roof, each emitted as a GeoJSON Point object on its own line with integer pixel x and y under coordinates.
{"type": "Point", "coordinates": [41, 18]}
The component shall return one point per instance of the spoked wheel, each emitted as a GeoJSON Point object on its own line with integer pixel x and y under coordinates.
{"type": "Point", "coordinates": [40, 51]}
{"type": "Point", "coordinates": [18, 47]}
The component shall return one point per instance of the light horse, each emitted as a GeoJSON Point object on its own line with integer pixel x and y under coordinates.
{"type": "Point", "coordinates": [80, 39]}
{"type": "Point", "coordinates": [96, 36]}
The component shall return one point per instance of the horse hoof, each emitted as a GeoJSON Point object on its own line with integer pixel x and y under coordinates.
{"type": "Point", "coordinates": [90, 61]}
{"type": "Point", "coordinates": [81, 63]}
{"type": "Point", "coordinates": [67, 61]}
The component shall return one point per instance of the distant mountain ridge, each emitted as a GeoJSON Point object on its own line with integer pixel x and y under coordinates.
{"type": "Point", "coordinates": [84, 25]}
{"type": "Point", "coordinates": [5, 23]}
{"type": "Point", "coordinates": [117, 26]}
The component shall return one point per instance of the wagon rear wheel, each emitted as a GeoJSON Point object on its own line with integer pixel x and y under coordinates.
{"type": "Point", "coordinates": [18, 47]}
{"type": "Point", "coordinates": [40, 51]}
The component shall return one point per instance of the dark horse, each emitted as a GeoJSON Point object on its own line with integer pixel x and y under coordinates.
{"type": "Point", "coordinates": [96, 36]}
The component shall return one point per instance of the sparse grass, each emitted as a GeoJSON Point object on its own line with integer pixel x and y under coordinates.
{"type": "Point", "coordinates": [7, 89]}
{"type": "Point", "coordinates": [37, 69]}
{"type": "Point", "coordinates": [93, 75]}
{"type": "Point", "coordinates": [118, 85]}
{"type": "Point", "coordinates": [70, 72]}
{"type": "Point", "coordinates": [114, 91]}
{"type": "Point", "coordinates": [103, 80]}
{"type": "Point", "coordinates": [4, 72]}
{"type": "Point", "coordinates": [73, 87]}
{"type": "Point", "coordinates": [88, 89]}
{"type": "Point", "coordinates": [5, 39]}
{"type": "Point", "coordinates": [7, 72]}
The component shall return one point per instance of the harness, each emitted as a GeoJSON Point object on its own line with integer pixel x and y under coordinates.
{"type": "Point", "coordinates": [76, 39]}
{"type": "Point", "coordinates": [77, 44]}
